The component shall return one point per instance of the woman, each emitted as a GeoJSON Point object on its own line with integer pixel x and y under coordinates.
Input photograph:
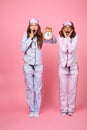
{"type": "Point", "coordinates": [32, 47]}
{"type": "Point", "coordinates": [68, 68]}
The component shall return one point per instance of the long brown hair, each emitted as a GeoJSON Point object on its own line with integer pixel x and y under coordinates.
{"type": "Point", "coordinates": [39, 36]}
{"type": "Point", "coordinates": [73, 33]}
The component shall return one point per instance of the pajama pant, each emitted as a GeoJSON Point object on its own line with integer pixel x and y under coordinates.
{"type": "Point", "coordinates": [33, 80]}
{"type": "Point", "coordinates": [68, 85]}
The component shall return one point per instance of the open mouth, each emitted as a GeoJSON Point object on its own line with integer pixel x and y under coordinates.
{"type": "Point", "coordinates": [34, 31]}
{"type": "Point", "coordinates": [67, 32]}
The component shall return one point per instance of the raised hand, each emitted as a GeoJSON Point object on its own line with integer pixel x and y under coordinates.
{"type": "Point", "coordinates": [32, 33]}
{"type": "Point", "coordinates": [67, 33]}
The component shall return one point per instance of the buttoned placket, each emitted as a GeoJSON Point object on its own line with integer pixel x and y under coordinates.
{"type": "Point", "coordinates": [34, 46]}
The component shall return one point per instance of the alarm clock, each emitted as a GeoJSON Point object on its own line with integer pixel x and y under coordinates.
{"type": "Point", "coordinates": [48, 33]}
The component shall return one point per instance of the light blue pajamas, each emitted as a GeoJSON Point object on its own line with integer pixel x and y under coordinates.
{"type": "Point", "coordinates": [33, 79]}
{"type": "Point", "coordinates": [33, 69]}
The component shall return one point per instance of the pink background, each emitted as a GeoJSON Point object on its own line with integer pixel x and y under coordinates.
{"type": "Point", "coordinates": [14, 17]}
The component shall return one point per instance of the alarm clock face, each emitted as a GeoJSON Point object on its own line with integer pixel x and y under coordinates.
{"type": "Point", "coordinates": [48, 35]}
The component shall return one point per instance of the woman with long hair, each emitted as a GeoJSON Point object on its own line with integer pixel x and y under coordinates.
{"type": "Point", "coordinates": [32, 47]}
{"type": "Point", "coordinates": [68, 67]}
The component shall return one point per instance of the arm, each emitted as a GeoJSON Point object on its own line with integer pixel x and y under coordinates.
{"type": "Point", "coordinates": [63, 44]}
{"type": "Point", "coordinates": [26, 42]}
{"type": "Point", "coordinates": [72, 45]}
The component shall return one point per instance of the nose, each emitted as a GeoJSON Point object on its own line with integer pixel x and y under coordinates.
{"type": "Point", "coordinates": [33, 28]}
